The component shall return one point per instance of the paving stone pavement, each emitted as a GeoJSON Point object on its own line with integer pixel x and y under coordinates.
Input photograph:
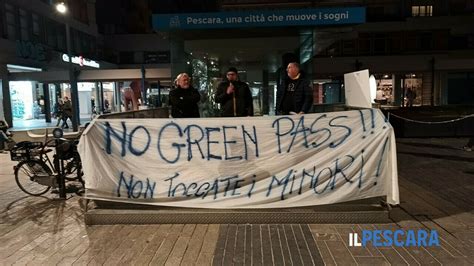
{"type": "Point", "coordinates": [436, 189]}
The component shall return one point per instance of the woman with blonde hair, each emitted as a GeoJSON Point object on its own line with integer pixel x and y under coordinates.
{"type": "Point", "coordinates": [184, 98]}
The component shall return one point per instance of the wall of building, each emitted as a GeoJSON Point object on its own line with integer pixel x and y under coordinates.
{"type": "Point", "coordinates": [33, 34]}
{"type": "Point", "coordinates": [433, 46]}
{"type": "Point", "coordinates": [133, 50]}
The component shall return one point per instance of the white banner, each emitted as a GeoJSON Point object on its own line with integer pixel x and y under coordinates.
{"type": "Point", "coordinates": [248, 162]}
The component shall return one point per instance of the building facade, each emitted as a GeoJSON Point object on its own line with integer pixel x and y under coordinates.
{"type": "Point", "coordinates": [426, 46]}
{"type": "Point", "coordinates": [34, 64]}
{"type": "Point", "coordinates": [33, 39]}
{"type": "Point", "coordinates": [423, 46]}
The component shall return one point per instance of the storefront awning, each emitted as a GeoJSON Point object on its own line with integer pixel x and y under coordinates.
{"type": "Point", "coordinates": [163, 74]}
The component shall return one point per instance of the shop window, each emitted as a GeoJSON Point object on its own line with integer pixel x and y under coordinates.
{"type": "Point", "coordinates": [22, 100]}
{"type": "Point", "coordinates": [333, 93]}
{"type": "Point", "coordinates": [384, 94]}
{"type": "Point", "coordinates": [422, 11]}
{"type": "Point", "coordinates": [414, 82]}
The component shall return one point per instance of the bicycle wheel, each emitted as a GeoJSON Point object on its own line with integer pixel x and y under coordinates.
{"type": "Point", "coordinates": [26, 173]}
{"type": "Point", "coordinates": [74, 175]}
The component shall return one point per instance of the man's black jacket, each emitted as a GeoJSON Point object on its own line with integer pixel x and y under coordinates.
{"type": "Point", "coordinates": [303, 95]}
{"type": "Point", "coordinates": [184, 102]}
{"type": "Point", "coordinates": [242, 95]}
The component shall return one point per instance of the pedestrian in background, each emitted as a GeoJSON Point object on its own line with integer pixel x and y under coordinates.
{"type": "Point", "coordinates": [67, 112]}
{"type": "Point", "coordinates": [58, 111]}
{"type": "Point", "coordinates": [184, 98]}
{"type": "Point", "coordinates": [411, 96]}
{"type": "Point", "coordinates": [234, 96]}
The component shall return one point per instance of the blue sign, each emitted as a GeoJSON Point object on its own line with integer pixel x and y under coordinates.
{"type": "Point", "coordinates": [277, 18]}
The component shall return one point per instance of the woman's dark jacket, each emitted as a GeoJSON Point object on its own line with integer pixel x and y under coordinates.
{"type": "Point", "coordinates": [243, 99]}
{"type": "Point", "coordinates": [184, 102]}
{"type": "Point", "coordinates": [67, 109]}
{"type": "Point", "coordinates": [303, 95]}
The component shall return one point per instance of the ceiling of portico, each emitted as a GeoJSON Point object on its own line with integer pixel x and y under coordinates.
{"type": "Point", "coordinates": [263, 52]}
{"type": "Point", "coordinates": [257, 48]}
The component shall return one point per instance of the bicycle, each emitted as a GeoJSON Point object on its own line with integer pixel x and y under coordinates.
{"type": "Point", "coordinates": [35, 174]}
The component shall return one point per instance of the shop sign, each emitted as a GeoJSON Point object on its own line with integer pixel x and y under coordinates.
{"type": "Point", "coordinates": [79, 60]}
{"type": "Point", "coordinates": [30, 50]}
{"type": "Point", "coordinates": [276, 18]}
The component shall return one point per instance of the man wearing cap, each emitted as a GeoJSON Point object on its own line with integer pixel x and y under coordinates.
{"type": "Point", "coordinates": [234, 96]}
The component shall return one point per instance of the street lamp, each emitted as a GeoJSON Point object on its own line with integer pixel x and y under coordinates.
{"type": "Point", "coordinates": [62, 9]}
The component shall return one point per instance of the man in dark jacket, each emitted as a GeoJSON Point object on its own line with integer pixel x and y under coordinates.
{"type": "Point", "coordinates": [234, 96]}
{"type": "Point", "coordinates": [184, 98]}
{"type": "Point", "coordinates": [67, 112]}
{"type": "Point", "coordinates": [296, 93]}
